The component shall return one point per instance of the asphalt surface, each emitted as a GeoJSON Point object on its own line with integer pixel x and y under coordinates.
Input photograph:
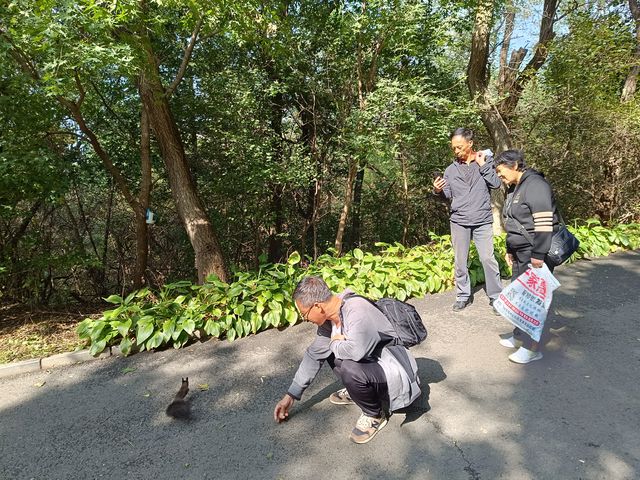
{"type": "Point", "coordinates": [575, 414]}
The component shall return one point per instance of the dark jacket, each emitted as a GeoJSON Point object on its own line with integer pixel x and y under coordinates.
{"type": "Point", "coordinates": [470, 199]}
{"type": "Point", "coordinates": [530, 205]}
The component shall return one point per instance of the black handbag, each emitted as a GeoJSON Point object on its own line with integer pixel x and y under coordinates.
{"type": "Point", "coordinates": [563, 245]}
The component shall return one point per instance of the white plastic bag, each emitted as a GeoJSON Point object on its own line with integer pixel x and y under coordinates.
{"type": "Point", "coordinates": [526, 301]}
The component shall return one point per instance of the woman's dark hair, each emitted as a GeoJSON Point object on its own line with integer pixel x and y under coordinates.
{"type": "Point", "coordinates": [511, 158]}
{"type": "Point", "coordinates": [463, 132]}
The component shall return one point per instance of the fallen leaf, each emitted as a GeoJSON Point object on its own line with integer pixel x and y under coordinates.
{"type": "Point", "coordinates": [146, 394]}
{"type": "Point", "coordinates": [203, 387]}
{"type": "Point", "coordinates": [39, 384]}
{"type": "Point", "coordinates": [128, 370]}
{"type": "Point", "coordinates": [269, 455]}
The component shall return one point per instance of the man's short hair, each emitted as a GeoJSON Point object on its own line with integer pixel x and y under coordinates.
{"type": "Point", "coordinates": [463, 132]}
{"type": "Point", "coordinates": [311, 290]}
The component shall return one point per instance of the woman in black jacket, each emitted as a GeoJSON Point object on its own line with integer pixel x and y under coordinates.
{"type": "Point", "coordinates": [530, 216]}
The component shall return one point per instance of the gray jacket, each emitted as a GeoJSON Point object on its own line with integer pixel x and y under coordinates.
{"type": "Point", "coordinates": [470, 199]}
{"type": "Point", "coordinates": [364, 327]}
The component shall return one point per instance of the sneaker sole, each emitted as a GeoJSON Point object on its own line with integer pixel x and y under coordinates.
{"type": "Point", "coordinates": [342, 402]}
{"type": "Point", "coordinates": [508, 345]}
{"type": "Point", "coordinates": [537, 357]}
{"type": "Point", "coordinates": [361, 442]}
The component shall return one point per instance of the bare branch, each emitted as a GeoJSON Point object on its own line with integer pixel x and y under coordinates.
{"type": "Point", "coordinates": [81, 89]}
{"type": "Point", "coordinates": [186, 58]}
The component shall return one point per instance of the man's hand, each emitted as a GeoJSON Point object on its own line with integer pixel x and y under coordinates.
{"type": "Point", "coordinates": [281, 412]}
{"type": "Point", "coordinates": [439, 184]}
{"type": "Point", "coordinates": [535, 263]}
{"type": "Point", "coordinates": [337, 336]}
{"type": "Point", "coordinates": [509, 259]}
{"type": "Point", "coordinates": [481, 158]}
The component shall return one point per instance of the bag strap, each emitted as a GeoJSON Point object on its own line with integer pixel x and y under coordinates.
{"type": "Point", "coordinates": [521, 228]}
{"type": "Point", "coordinates": [384, 342]}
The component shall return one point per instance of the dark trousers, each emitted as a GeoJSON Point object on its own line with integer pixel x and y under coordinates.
{"type": "Point", "coordinates": [521, 260]}
{"type": "Point", "coordinates": [366, 383]}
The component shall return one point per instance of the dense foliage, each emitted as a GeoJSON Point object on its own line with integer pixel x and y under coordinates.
{"type": "Point", "coordinates": [256, 129]}
{"type": "Point", "coordinates": [182, 311]}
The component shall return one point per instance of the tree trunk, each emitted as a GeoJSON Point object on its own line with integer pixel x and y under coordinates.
{"type": "Point", "coordinates": [478, 77]}
{"type": "Point", "coordinates": [209, 258]}
{"type": "Point", "coordinates": [496, 118]}
{"type": "Point", "coordinates": [405, 197]}
{"type": "Point", "coordinates": [630, 84]}
{"type": "Point", "coordinates": [355, 240]}
{"type": "Point", "coordinates": [348, 198]}
{"type": "Point", "coordinates": [277, 190]}
{"type": "Point", "coordinates": [142, 239]}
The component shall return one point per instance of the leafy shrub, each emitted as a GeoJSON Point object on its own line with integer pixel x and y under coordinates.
{"type": "Point", "coordinates": [255, 301]}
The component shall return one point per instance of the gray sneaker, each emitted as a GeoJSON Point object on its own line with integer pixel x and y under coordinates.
{"type": "Point", "coordinates": [367, 427]}
{"type": "Point", "coordinates": [341, 397]}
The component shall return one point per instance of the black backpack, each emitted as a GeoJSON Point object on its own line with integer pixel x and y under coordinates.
{"type": "Point", "coordinates": [404, 318]}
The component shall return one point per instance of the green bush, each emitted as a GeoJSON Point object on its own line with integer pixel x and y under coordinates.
{"type": "Point", "coordinates": [255, 301]}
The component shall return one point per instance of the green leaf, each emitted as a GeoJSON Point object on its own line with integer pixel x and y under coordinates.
{"type": "Point", "coordinates": [155, 341]}
{"type": "Point", "coordinates": [212, 328]}
{"type": "Point", "coordinates": [97, 347]}
{"type": "Point", "coordinates": [125, 346]}
{"type": "Point", "coordinates": [145, 329]}
{"type": "Point", "coordinates": [123, 327]}
{"type": "Point", "coordinates": [114, 299]}
{"type": "Point", "coordinates": [293, 258]}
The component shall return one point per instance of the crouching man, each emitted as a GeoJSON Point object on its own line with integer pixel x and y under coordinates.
{"type": "Point", "coordinates": [357, 341]}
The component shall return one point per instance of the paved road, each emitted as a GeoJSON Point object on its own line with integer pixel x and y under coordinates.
{"type": "Point", "coordinates": [573, 415]}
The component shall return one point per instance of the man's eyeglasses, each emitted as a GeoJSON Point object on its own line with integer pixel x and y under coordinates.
{"type": "Point", "coordinates": [305, 315]}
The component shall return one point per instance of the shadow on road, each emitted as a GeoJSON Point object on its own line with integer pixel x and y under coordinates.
{"type": "Point", "coordinates": [572, 415]}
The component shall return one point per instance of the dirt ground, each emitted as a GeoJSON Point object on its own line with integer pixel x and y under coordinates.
{"type": "Point", "coordinates": [32, 333]}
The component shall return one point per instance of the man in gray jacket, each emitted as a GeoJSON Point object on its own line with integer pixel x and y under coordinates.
{"type": "Point", "coordinates": [355, 339]}
{"type": "Point", "coordinates": [466, 183]}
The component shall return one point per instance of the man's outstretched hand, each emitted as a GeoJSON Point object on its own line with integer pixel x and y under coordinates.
{"type": "Point", "coordinates": [281, 412]}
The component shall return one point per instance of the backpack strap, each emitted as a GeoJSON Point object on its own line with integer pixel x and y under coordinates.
{"type": "Point", "coordinates": [385, 340]}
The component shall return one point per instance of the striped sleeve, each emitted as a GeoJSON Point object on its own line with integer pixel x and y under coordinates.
{"type": "Point", "coordinates": [540, 202]}
{"type": "Point", "coordinates": [543, 221]}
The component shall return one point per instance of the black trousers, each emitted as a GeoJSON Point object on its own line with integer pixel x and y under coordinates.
{"type": "Point", "coordinates": [521, 260]}
{"type": "Point", "coordinates": [366, 383]}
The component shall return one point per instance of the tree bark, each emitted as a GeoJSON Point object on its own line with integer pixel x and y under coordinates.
{"type": "Point", "coordinates": [348, 198]}
{"type": "Point", "coordinates": [478, 77]}
{"type": "Point", "coordinates": [405, 197]}
{"type": "Point", "coordinates": [630, 84]}
{"type": "Point", "coordinates": [496, 117]}
{"type": "Point", "coordinates": [209, 258]}
{"type": "Point", "coordinates": [142, 239]}
{"type": "Point", "coordinates": [356, 232]}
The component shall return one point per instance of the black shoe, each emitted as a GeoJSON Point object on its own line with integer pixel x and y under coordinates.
{"type": "Point", "coordinates": [461, 305]}
{"type": "Point", "coordinates": [495, 312]}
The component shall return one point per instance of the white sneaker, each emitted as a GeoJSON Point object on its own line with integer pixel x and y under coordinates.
{"type": "Point", "coordinates": [522, 355]}
{"type": "Point", "coordinates": [510, 342]}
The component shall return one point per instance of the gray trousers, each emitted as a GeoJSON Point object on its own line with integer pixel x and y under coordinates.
{"type": "Point", "coordinates": [482, 236]}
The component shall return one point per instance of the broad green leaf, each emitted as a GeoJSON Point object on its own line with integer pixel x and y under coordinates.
{"type": "Point", "coordinates": [114, 299]}
{"type": "Point", "coordinates": [294, 258]}
{"type": "Point", "coordinates": [125, 346]}
{"type": "Point", "coordinates": [144, 330]}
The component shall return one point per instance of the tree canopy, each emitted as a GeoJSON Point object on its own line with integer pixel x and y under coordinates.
{"type": "Point", "coordinates": [250, 130]}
